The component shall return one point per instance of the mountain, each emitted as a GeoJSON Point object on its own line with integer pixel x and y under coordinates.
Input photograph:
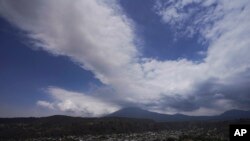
{"type": "Point", "coordinates": [234, 114]}
{"type": "Point", "coordinates": [134, 112]}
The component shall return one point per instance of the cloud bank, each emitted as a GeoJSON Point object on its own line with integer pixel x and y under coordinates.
{"type": "Point", "coordinates": [77, 103]}
{"type": "Point", "coordinates": [99, 37]}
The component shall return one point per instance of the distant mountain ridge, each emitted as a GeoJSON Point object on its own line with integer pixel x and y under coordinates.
{"type": "Point", "coordinates": [134, 112]}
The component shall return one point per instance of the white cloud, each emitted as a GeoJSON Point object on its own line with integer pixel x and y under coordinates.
{"type": "Point", "coordinates": [89, 32]}
{"type": "Point", "coordinates": [45, 104]}
{"type": "Point", "coordinates": [229, 45]}
{"type": "Point", "coordinates": [77, 103]}
{"type": "Point", "coordinates": [100, 38]}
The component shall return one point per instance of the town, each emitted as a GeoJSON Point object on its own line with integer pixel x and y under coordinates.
{"type": "Point", "coordinates": [198, 134]}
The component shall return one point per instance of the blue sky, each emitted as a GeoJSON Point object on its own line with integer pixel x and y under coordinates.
{"type": "Point", "coordinates": [158, 40]}
{"type": "Point", "coordinates": [25, 72]}
{"type": "Point", "coordinates": [187, 56]}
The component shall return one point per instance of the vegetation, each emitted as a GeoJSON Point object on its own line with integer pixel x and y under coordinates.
{"type": "Point", "coordinates": [76, 128]}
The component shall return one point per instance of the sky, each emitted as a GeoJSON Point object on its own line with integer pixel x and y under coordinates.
{"type": "Point", "coordinates": [92, 57]}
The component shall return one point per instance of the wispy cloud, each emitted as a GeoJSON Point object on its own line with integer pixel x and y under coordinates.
{"type": "Point", "coordinates": [100, 38]}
